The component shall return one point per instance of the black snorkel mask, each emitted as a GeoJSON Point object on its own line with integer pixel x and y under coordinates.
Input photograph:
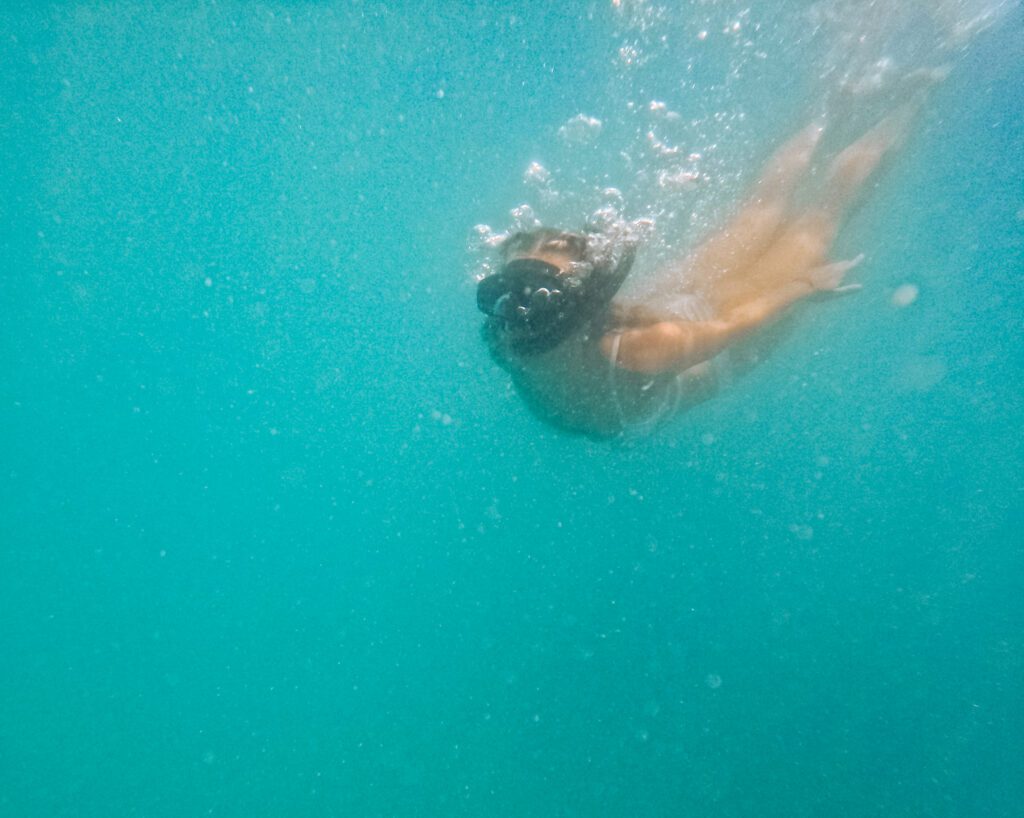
{"type": "Point", "coordinates": [538, 307]}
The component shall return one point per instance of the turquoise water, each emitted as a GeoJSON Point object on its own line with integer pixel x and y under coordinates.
{"type": "Point", "coordinates": [277, 539]}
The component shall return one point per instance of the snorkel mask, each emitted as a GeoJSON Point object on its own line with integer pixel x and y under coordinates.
{"type": "Point", "coordinates": [537, 307]}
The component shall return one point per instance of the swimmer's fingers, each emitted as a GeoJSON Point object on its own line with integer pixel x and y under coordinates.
{"type": "Point", "coordinates": [848, 288]}
{"type": "Point", "coordinates": [829, 277]}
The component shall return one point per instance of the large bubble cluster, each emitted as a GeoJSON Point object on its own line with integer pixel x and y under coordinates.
{"type": "Point", "coordinates": [675, 141]}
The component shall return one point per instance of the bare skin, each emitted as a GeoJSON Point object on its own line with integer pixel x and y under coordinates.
{"type": "Point", "coordinates": [763, 261]}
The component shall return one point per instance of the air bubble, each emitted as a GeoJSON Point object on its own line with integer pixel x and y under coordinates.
{"type": "Point", "coordinates": [537, 174]}
{"type": "Point", "coordinates": [580, 130]}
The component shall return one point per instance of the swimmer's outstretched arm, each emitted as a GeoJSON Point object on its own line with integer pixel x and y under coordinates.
{"type": "Point", "coordinates": [674, 346]}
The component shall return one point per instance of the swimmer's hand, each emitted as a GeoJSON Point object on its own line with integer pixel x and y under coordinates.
{"type": "Point", "coordinates": [829, 277]}
{"type": "Point", "coordinates": [646, 342]}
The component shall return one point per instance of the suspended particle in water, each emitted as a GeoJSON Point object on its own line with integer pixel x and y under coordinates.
{"type": "Point", "coordinates": [629, 55]}
{"type": "Point", "coordinates": [442, 417]}
{"type": "Point", "coordinates": [920, 373]}
{"type": "Point", "coordinates": [905, 295]}
{"type": "Point", "coordinates": [713, 680]}
{"type": "Point", "coordinates": [801, 532]}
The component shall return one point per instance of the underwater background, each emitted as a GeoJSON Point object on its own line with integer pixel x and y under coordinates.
{"type": "Point", "coordinates": [278, 539]}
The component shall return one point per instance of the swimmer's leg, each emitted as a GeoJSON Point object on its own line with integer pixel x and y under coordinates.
{"type": "Point", "coordinates": [720, 265]}
{"type": "Point", "coordinates": [855, 164]}
{"type": "Point", "coordinates": [803, 245]}
{"type": "Point", "coordinates": [730, 250]}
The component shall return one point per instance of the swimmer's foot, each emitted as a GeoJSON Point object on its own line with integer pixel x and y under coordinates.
{"type": "Point", "coordinates": [884, 80]}
{"type": "Point", "coordinates": [855, 164]}
{"type": "Point", "coordinates": [924, 79]}
{"type": "Point", "coordinates": [855, 102]}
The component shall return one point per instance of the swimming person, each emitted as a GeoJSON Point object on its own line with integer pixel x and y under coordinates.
{"type": "Point", "coordinates": [593, 364]}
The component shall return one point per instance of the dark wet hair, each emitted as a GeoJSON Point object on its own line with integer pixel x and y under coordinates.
{"type": "Point", "coordinates": [534, 305]}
